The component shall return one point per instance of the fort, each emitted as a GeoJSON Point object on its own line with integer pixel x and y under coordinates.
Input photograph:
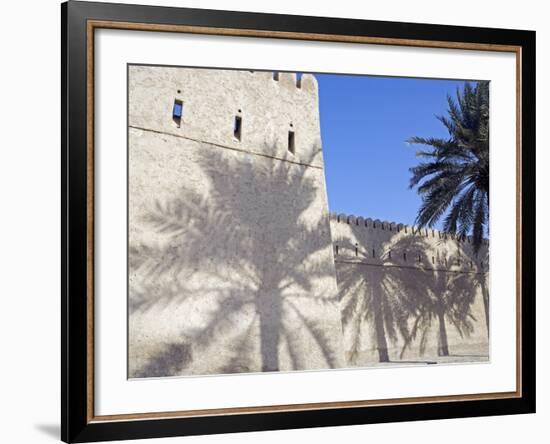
{"type": "Point", "coordinates": [235, 263]}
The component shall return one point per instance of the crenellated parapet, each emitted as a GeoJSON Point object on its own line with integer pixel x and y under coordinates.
{"type": "Point", "coordinates": [394, 244]}
{"type": "Point", "coordinates": [272, 114]}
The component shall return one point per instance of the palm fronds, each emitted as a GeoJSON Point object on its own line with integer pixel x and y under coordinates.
{"type": "Point", "coordinates": [453, 176]}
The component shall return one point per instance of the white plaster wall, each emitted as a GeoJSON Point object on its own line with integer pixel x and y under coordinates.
{"type": "Point", "coordinates": [391, 276]}
{"type": "Point", "coordinates": [213, 97]}
{"type": "Point", "coordinates": [230, 258]}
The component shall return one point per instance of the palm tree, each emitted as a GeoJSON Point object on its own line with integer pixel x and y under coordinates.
{"type": "Point", "coordinates": [454, 180]}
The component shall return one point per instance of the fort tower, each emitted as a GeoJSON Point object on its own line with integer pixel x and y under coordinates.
{"type": "Point", "coordinates": [231, 266]}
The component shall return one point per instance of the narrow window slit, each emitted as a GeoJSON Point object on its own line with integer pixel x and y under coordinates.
{"type": "Point", "coordinates": [291, 142]}
{"type": "Point", "coordinates": [237, 127]}
{"type": "Point", "coordinates": [177, 112]}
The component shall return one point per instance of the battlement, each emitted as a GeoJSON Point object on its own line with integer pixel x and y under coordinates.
{"type": "Point", "coordinates": [390, 243]}
{"type": "Point", "coordinates": [273, 114]}
{"type": "Point", "coordinates": [398, 227]}
{"type": "Point", "coordinates": [306, 83]}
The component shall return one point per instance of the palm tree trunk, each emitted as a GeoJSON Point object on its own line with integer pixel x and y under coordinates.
{"type": "Point", "coordinates": [443, 345]}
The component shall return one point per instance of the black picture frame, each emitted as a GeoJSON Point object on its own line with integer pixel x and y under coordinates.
{"type": "Point", "coordinates": [77, 424]}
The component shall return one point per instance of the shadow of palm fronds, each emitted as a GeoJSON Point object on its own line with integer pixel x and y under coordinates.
{"type": "Point", "coordinates": [250, 247]}
{"type": "Point", "coordinates": [399, 302]}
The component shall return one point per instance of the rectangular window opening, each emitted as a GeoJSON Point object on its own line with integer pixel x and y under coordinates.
{"type": "Point", "coordinates": [177, 112]}
{"type": "Point", "coordinates": [291, 142]}
{"type": "Point", "coordinates": [237, 128]}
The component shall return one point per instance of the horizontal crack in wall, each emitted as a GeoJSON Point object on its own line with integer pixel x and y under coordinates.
{"type": "Point", "coordinates": [227, 147]}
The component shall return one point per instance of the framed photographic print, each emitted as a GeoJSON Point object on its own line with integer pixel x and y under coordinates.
{"type": "Point", "coordinates": [276, 221]}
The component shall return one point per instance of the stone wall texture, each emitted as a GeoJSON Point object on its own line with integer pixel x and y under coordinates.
{"type": "Point", "coordinates": [410, 294]}
{"type": "Point", "coordinates": [231, 266]}
{"type": "Point", "coordinates": [234, 262]}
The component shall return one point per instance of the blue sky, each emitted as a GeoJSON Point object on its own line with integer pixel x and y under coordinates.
{"type": "Point", "coordinates": [365, 121]}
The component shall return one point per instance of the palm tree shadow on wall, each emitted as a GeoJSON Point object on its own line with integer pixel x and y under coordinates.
{"type": "Point", "coordinates": [481, 279]}
{"type": "Point", "coordinates": [244, 256]}
{"type": "Point", "coordinates": [400, 297]}
{"type": "Point", "coordinates": [447, 300]}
